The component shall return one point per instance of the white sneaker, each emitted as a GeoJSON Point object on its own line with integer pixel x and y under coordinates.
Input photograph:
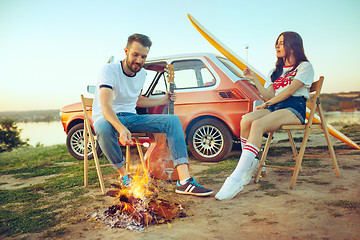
{"type": "Point", "coordinates": [246, 178]}
{"type": "Point", "coordinates": [229, 189]}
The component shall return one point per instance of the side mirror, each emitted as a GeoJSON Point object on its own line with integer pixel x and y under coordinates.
{"type": "Point", "coordinates": [91, 89]}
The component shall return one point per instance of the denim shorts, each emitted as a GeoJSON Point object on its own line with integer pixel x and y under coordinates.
{"type": "Point", "coordinates": [295, 104]}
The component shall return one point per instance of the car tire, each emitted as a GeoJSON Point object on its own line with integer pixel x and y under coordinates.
{"type": "Point", "coordinates": [210, 140]}
{"type": "Point", "coordinates": [75, 143]}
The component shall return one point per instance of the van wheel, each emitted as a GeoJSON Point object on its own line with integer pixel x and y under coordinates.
{"type": "Point", "coordinates": [210, 140]}
{"type": "Point", "coordinates": [75, 143]}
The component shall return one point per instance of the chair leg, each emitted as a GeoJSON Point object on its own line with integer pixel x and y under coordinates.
{"type": "Point", "coordinates": [293, 146]}
{"type": "Point", "coordinates": [86, 163]}
{"type": "Point", "coordinates": [141, 153]}
{"type": "Point", "coordinates": [263, 157]}
{"type": "Point", "coordinates": [328, 140]}
{"type": "Point", "coordinates": [96, 160]}
{"type": "Point", "coordinates": [300, 157]}
{"type": "Point", "coordinates": [128, 158]}
{"type": "Point", "coordinates": [332, 153]}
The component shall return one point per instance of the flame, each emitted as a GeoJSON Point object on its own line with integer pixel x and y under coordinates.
{"type": "Point", "coordinates": [138, 203]}
{"type": "Point", "coordinates": [126, 206]}
{"type": "Point", "coordinates": [139, 186]}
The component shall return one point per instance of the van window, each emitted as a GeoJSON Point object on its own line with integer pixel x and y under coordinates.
{"type": "Point", "coordinates": [237, 71]}
{"type": "Point", "coordinates": [192, 74]}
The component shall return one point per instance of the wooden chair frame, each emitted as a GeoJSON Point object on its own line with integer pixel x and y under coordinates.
{"type": "Point", "coordinates": [315, 106]}
{"type": "Point", "coordinates": [89, 136]}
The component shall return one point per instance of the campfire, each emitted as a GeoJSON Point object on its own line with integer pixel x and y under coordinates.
{"type": "Point", "coordinates": [138, 206]}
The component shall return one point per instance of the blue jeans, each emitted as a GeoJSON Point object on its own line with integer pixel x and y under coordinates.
{"type": "Point", "coordinates": [107, 135]}
{"type": "Point", "coordinates": [295, 104]}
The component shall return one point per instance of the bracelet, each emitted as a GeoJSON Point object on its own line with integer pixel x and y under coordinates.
{"type": "Point", "coordinates": [267, 104]}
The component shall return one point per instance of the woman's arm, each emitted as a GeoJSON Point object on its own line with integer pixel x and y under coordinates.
{"type": "Point", "coordinates": [265, 93]}
{"type": "Point", "coordinates": [286, 93]}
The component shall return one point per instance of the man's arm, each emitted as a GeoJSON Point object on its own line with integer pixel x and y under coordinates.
{"type": "Point", "coordinates": [145, 102]}
{"type": "Point", "coordinates": [106, 98]}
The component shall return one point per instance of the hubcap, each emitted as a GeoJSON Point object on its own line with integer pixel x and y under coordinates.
{"type": "Point", "coordinates": [208, 141]}
{"type": "Point", "coordinates": [77, 143]}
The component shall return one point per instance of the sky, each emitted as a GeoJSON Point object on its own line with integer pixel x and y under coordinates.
{"type": "Point", "coordinates": [50, 50]}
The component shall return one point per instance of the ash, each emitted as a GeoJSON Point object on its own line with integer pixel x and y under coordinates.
{"type": "Point", "coordinates": [133, 213]}
{"type": "Point", "coordinates": [118, 220]}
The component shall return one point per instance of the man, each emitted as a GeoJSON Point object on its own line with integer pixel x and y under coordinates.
{"type": "Point", "coordinates": [117, 93]}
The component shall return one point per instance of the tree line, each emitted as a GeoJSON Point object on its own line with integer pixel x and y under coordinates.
{"type": "Point", "coordinates": [32, 116]}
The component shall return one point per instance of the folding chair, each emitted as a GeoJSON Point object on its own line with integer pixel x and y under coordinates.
{"type": "Point", "coordinates": [315, 106]}
{"type": "Point", "coordinates": [88, 135]}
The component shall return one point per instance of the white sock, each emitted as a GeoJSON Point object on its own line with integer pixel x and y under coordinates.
{"type": "Point", "coordinates": [247, 157]}
{"type": "Point", "coordinates": [182, 182]}
{"type": "Point", "coordinates": [243, 142]}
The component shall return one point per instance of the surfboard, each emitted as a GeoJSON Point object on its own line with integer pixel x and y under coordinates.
{"type": "Point", "coordinates": [242, 64]}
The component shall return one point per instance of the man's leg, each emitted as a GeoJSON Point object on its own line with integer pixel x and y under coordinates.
{"type": "Point", "coordinates": [107, 138]}
{"type": "Point", "coordinates": [170, 124]}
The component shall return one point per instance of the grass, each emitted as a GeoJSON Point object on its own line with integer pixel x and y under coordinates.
{"type": "Point", "coordinates": [40, 207]}
{"type": "Point", "coordinates": [296, 139]}
{"type": "Point", "coordinates": [351, 130]}
{"type": "Point", "coordinates": [223, 167]}
{"type": "Point", "coordinates": [351, 205]}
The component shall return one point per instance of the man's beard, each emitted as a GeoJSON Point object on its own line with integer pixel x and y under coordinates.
{"type": "Point", "coordinates": [132, 66]}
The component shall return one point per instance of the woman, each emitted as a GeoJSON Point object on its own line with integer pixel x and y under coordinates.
{"type": "Point", "coordinates": [285, 93]}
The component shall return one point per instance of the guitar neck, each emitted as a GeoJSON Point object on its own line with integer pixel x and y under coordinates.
{"type": "Point", "coordinates": [171, 103]}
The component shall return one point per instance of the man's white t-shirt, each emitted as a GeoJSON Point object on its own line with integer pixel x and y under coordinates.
{"type": "Point", "coordinates": [126, 89]}
{"type": "Point", "coordinates": [304, 73]}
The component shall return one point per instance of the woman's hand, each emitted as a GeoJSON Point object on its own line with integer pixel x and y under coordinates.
{"type": "Point", "coordinates": [249, 73]}
{"type": "Point", "coordinates": [263, 106]}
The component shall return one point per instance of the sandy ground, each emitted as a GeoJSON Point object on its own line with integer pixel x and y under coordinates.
{"type": "Point", "coordinates": [305, 212]}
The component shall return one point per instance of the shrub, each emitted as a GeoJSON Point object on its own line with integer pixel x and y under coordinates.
{"type": "Point", "coordinates": [10, 135]}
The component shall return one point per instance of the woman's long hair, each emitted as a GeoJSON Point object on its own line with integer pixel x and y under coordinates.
{"type": "Point", "coordinates": [292, 44]}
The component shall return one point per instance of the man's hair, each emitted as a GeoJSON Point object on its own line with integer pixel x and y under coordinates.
{"type": "Point", "coordinates": [140, 38]}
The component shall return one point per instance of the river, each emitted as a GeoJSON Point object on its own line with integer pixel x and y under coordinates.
{"type": "Point", "coordinates": [52, 133]}
{"type": "Point", "coordinates": [46, 133]}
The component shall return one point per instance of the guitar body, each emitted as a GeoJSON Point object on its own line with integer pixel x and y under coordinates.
{"type": "Point", "coordinates": [158, 157]}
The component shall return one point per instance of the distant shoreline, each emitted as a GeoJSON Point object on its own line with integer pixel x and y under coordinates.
{"type": "Point", "coordinates": [32, 116]}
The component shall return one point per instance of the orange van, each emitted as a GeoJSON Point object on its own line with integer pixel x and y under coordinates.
{"type": "Point", "coordinates": [212, 96]}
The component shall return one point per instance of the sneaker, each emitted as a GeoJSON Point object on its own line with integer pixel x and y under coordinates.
{"type": "Point", "coordinates": [126, 180]}
{"type": "Point", "coordinates": [229, 189]}
{"type": "Point", "coordinates": [192, 188]}
{"type": "Point", "coordinates": [246, 178]}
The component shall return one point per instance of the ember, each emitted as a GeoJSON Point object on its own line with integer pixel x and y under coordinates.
{"type": "Point", "coordinates": [138, 206]}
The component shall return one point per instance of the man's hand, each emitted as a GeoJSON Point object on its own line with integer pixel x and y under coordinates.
{"type": "Point", "coordinates": [169, 96]}
{"type": "Point", "coordinates": [125, 137]}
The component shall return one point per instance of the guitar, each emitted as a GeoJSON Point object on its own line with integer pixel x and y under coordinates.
{"type": "Point", "coordinates": [170, 78]}
{"type": "Point", "coordinates": [158, 157]}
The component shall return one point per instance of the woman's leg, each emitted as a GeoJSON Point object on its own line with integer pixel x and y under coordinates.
{"type": "Point", "coordinates": [247, 119]}
{"type": "Point", "coordinates": [244, 169]}
{"type": "Point", "coordinates": [268, 123]}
